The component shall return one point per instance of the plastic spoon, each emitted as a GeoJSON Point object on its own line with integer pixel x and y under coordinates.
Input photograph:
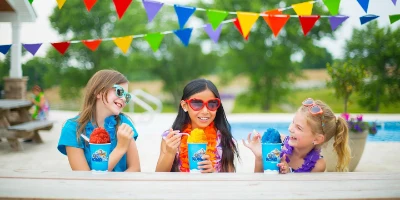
{"type": "Point", "coordinates": [85, 137]}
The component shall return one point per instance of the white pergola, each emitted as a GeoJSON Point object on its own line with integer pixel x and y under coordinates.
{"type": "Point", "coordinates": [16, 12]}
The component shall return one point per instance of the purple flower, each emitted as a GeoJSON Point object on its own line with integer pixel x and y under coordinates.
{"type": "Point", "coordinates": [345, 116]}
{"type": "Point", "coordinates": [359, 118]}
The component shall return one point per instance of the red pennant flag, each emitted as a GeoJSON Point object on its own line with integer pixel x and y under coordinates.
{"type": "Point", "coordinates": [308, 22]}
{"type": "Point", "coordinates": [121, 6]}
{"type": "Point", "coordinates": [89, 4]}
{"type": "Point", "coordinates": [276, 20]}
{"type": "Point", "coordinates": [92, 44]}
{"type": "Point", "coordinates": [237, 25]}
{"type": "Point", "coordinates": [61, 47]}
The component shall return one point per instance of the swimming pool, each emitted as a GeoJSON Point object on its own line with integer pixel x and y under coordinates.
{"type": "Point", "coordinates": [387, 131]}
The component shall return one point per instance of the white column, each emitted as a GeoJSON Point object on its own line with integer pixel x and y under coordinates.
{"type": "Point", "coordinates": [16, 68]}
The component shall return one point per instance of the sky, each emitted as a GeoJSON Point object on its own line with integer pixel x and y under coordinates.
{"type": "Point", "coordinates": [41, 31]}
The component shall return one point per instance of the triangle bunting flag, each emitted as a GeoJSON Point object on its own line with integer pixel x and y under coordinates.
{"type": "Point", "coordinates": [123, 43]}
{"type": "Point", "coordinates": [394, 2]}
{"type": "Point", "coordinates": [92, 44]}
{"type": "Point", "coordinates": [215, 17]}
{"type": "Point", "coordinates": [333, 6]}
{"type": "Point", "coordinates": [154, 40]}
{"type": "Point", "coordinates": [60, 3]}
{"type": "Point", "coordinates": [32, 48]}
{"type": "Point", "coordinates": [367, 18]}
{"type": "Point", "coordinates": [184, 35]}
{"type": "Point", "coordinates": [247, 20]}
{"type": "Point", "coordinates": [364, 4]}
{"type": "Point", "coordinates": [183, 14]}
{"type": "Point", "coordinates": [4, 48]}
{"type": "Point", "coordinates": [61, 47]}
{"type": "Point", "coordinates": [237, 25]}
{"type": "Point", "coordinates": [303, 8]}
{"type": "Point", "coordinates": [31, 1]}
{"type": "Point", "coordinates": [121, 6]}
{"type": "Point", "coordinates": [152, 8]}
{"type": "Point", "coordinates": [308, 22]}
{"type": "Point", "coordinates": [335, 21]}
{"type": "Point", "coordinates": [276, 20]}
{"type": "Point", "coordinates": [89, 4]}
{"type": "Point", "coordinates": [213, 34]}
{"type": "Point", "coordinates": [394, 18]}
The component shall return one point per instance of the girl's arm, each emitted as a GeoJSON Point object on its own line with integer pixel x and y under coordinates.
{"type": "Point", "coordinates": [319, 166]}
{"type": "Point", "coordinates": [132, 157]}
{"type": "Point", "coordinates": [258, 166]}
{"type": "Point", "coordinates": [76, 158]}
{"type": "Point", "coordinates": [165, 160]}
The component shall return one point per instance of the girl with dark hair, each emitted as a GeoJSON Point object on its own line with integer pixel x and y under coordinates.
{"type": "Point", "coordinates": [201, 108]}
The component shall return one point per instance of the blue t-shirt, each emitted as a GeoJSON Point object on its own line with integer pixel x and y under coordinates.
{"type": "Point", "coordinates": [68, 138]}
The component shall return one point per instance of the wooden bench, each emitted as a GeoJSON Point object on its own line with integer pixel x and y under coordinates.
{"type": "Point", "coordinates": [28, 129]}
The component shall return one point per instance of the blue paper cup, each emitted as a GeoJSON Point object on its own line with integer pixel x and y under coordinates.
{"type": "Point", "coordinates": [100, 154]}
{"type": "Point", "coordinates": [195, 153]}
{"type": "Point", "coordinates": [271, 157]}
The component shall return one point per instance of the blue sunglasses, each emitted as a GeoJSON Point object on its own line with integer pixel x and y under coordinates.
{"type": "Point", "coordinates": [120, 92]}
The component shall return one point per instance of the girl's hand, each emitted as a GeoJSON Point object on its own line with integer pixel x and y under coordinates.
{"type": "Point", "coordinates": [124, 136]}
{"type": "Point", "coordinates": [254, 144]}
{"type": "Point", "coordinates": [283, 165]}
{"type": "Point", "coordinates": [206, 166]}
{"type": "Point", "coordinates": [172, 141]}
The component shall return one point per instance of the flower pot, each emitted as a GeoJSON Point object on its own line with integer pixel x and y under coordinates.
{"type": "Point", "coordinates": [357, 142]}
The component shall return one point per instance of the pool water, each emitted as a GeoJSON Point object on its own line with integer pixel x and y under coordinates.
{"type": "Point", "coordinates": [387, 131]}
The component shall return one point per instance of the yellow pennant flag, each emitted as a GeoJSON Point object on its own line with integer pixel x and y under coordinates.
{"type": "Point", "coordinates": [303, 8]}
{"type": "Point", "coordinates": [60, 3]}
{"type": "Point", "coordinates": [246, 21]}
{"type": "Point", "coordinates": [123, 43]}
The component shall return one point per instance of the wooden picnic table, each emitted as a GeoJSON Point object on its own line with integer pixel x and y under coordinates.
{"type": "Point", "coordinates": [24, 184]}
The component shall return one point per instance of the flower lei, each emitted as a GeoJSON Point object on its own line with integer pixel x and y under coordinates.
{"type": "Point", "coordinates": [211, 134]}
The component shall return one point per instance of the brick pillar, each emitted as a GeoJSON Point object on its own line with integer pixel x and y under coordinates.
{"type": "Point", "coordinates": [15, 88]}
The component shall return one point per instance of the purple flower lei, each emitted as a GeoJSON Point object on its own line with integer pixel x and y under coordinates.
{"type": "Point", "coordinates": [309, 161]}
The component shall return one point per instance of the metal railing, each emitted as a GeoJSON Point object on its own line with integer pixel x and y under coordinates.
{"type": "Point", "coordinates": [137, 96]}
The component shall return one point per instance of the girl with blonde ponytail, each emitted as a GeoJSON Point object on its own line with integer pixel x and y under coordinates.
{"type": "Point", "coordinates": [313, 124]}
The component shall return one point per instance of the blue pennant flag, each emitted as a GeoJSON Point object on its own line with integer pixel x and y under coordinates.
{"type": "Point", "coordinates": [364, 4]}
{"type": "Point", "coordinates": [184, 35]}
{"type": "Point", "coordinates": [4, 48]}
{"type": "Point", "coordinates": [367, 18]}
{"type": "Point", "coordinates": [183, 14]}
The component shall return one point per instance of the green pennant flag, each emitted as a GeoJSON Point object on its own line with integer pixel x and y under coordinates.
{"type": "Point", "coordinates": [154, 40]}
{"type": "Point", "coordinates": [394, 18]}
{"type": "Point", "coordinates": [333, 6]}
{"type": "Point", "coordinates": [30, 1]}
{"type": "Point", "coordinates": [216, 17]}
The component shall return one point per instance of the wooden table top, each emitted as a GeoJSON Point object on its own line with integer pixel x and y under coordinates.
{"type": "Point", "coordinates": [88, 185]}
{"type": "Point", "coordinates": [6, 104]}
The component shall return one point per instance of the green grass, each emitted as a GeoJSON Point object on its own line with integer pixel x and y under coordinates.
{"type": "Point", "coordinates": [327, 95]}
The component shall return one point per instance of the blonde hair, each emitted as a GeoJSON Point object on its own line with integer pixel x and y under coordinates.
{"type": "Point", "coordinates": [330, 126]}
{"type": "Point", "coordinates": [100, 83]}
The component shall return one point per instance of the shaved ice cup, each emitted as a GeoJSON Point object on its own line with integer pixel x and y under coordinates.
{"type": "Point", "coordinates": [271, 157]}
{"type": "Point", "coordinates": [195, 153]}
{"type": "Point", "coordinates": [100, 154]}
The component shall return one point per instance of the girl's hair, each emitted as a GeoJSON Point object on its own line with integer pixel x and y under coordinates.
{"type": "Point", "coordinates": [330, 126]}
{"type": "Point", "coordinates": [37, 88]}
{"type": "Point", "coordinates": [229, 149]}
{"type": "Point", "coordinates": [100, 83]}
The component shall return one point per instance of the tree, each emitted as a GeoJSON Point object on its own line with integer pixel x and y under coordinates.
{"type": "Point", "coordinates": [346, 78]}
{"type": "Point", "coordinates": [266, 60]}
{"type": "Point", "coordinates": [377, 49]}
{"type": "Point", "coordinates": [316, 58]}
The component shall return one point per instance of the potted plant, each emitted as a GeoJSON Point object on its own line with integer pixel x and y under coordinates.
{"type": "Point", "coordinates": [358, 133]}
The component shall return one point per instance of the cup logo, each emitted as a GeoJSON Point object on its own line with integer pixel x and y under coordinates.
{"type": "Point", "coordinates": [99, 156]}
{"type": "Point", "coordinates": [273, 155]}
{"type": "Point", "coordinates": [197, 156]}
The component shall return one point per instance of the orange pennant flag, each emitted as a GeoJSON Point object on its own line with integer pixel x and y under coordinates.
{"type": "Point", "coordinates": [276, 20]}
{"type": "Point", "coordinates": [89, 4]}
{"type": "Point", "coordinates": [92, 44]}
{"type": "Point", "coordinates": [246, 21]}
{"type": "Point", "coordinates": [60, 3]}
{"type": "Point", "coordinates": [308, 22]}
{"type": "Point", "coordinates": [303, 8]}
{"type": "Point", "coordinates": [123, 43]}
